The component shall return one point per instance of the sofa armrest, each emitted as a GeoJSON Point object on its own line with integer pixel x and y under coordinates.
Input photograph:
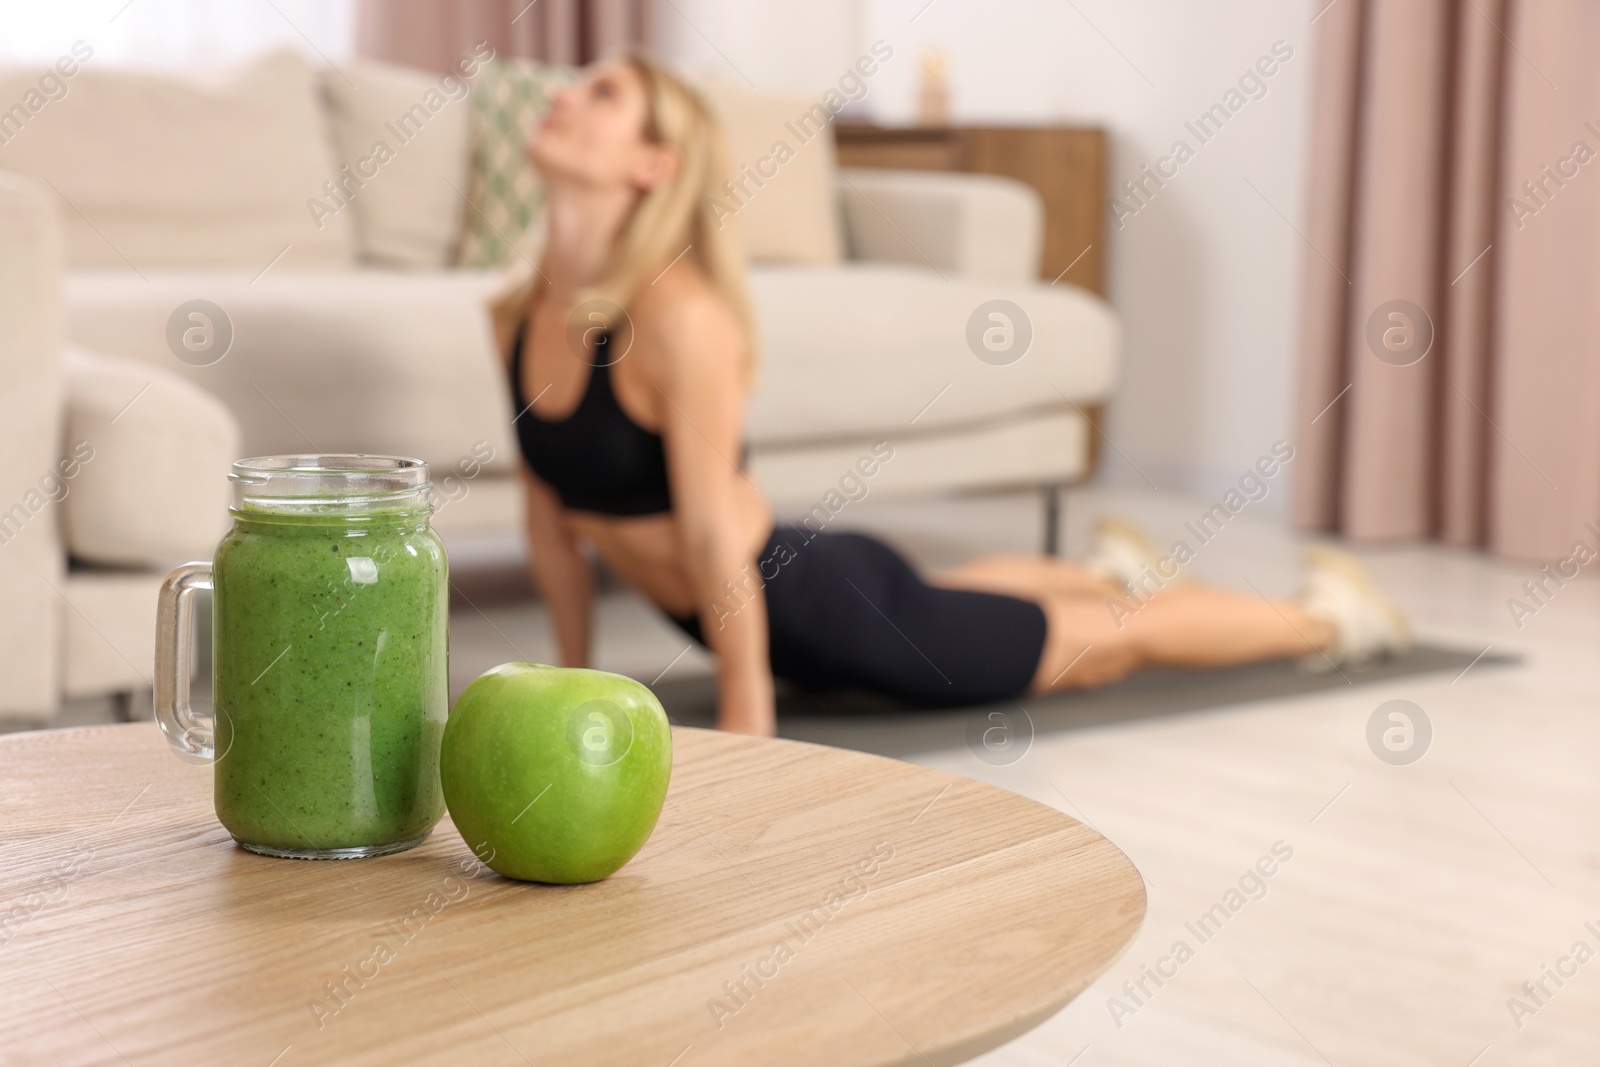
{"type": "Point", "coordinates": [30, 439]}
{"type": "Point", "coordinates": [975, 225]}
{"type": "Point", "coordinates": [152, 454]}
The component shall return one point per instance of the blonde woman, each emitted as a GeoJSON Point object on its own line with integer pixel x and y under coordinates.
{"type": "Point", "coordinates": [642, 458]}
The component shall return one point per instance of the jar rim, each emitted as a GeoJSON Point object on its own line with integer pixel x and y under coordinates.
{"type": "Point", "coordinates": [336, 481]}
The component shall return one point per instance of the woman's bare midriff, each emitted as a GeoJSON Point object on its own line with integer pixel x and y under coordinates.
{"type": "Point", "coordinates": [647, 551]}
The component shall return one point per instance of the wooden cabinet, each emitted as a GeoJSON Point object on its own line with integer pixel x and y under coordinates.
{"type": "Point", "coordinates": [1065, 164]}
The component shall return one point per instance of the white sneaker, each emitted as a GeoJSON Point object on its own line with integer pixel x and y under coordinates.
{"type": "Point", "coordinates": [1367, 625]}
{"type": "Point", "coordinates": [1122, 553]}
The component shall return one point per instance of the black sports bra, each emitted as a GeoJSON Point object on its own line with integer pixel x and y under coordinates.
{"type": "Point", "coordinates": [596, 459]}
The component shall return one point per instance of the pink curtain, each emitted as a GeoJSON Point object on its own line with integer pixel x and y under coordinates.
{"type": "Point", "coordinates": [1454, 191]}
{"type": "Point", "coordinates": [433, 34]}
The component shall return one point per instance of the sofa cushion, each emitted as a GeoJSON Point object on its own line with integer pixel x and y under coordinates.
{"type": "Point", "coordinates": [341, 361]}
{"type": "Point", "coordinates": [784, 171]}
{"type": "Point", "coordinates": [406, 137]}
{"type": "Point", "coordinates": [510, 97]}
{"type": "Point", "coordinates": [156, 170]}
{"type": "Point", "coordinates": [373, 361]}
{"type": "Point", "coordinates": [884, 348]}
{"type": "Point", "coordinates": [152, 453]}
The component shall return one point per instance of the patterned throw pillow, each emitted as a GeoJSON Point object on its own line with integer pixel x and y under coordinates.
{"type": "Point", "coordinates": [511, 96]}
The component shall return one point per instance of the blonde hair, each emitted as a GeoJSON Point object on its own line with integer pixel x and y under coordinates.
{"type": "Point", "coordinates": [674, 218]}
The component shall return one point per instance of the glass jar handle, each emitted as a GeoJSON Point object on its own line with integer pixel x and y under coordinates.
{"type": "Point", "coordinates": [189, 736]}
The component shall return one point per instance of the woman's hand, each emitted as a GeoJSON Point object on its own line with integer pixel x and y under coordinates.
{"type": "Point", "coordinates": [745, 702]}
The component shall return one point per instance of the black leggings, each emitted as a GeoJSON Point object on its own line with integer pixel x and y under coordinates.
{"type": "Point", "coordinates": [847, 611]}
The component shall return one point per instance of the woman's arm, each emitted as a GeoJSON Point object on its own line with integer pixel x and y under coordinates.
{"type": "Point", "coordinates": [702, 382]}
{"type": "Point", "coordinates": [560, 570]}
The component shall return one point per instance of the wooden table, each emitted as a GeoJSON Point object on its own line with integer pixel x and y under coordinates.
{"type": "Point", "coordinates": [874, 912]}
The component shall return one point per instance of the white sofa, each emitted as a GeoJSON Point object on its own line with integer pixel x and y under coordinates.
{"type": "Point", "coordinates": [403, 363]}
{"type": "Point", "coordinates": [171, 192]}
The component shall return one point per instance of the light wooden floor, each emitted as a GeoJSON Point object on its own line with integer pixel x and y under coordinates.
{"type": "Point", "coordinates": [1418, 898]}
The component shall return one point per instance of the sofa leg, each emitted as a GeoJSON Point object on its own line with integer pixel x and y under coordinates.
{"type": "Point", "coordinates": [1053, 500]}
{"type": "Point", "coordinates": [137, 705]}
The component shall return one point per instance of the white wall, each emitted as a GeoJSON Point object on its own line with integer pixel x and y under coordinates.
{"type": "Point", "coordinates": [1206, 276]}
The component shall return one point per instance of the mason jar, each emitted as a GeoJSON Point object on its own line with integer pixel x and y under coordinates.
{"type": "Point", "coordinates": [330, 658]}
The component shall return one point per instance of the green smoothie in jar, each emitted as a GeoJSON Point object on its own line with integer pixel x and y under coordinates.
{"type": "Point", "coordinates": [330, 642]}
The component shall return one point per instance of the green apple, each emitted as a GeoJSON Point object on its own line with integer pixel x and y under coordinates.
{"type": "Point", "coordinates": [555, 774]}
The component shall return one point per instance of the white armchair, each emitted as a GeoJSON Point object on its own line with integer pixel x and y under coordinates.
{"type": "Point", "coordinates": [110, 472]}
